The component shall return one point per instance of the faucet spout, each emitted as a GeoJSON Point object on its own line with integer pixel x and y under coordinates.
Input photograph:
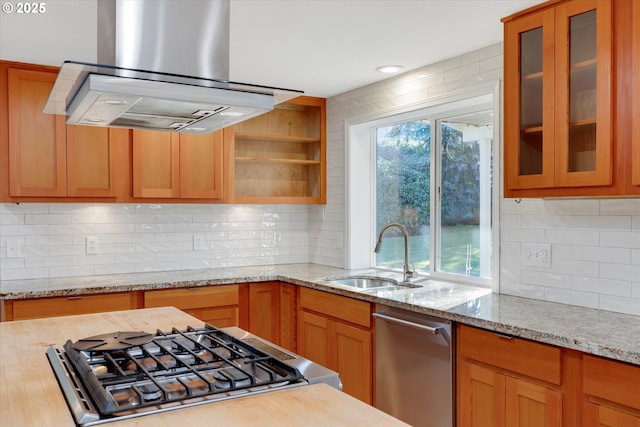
{"type": "Point", "coordinates": [407, 272]}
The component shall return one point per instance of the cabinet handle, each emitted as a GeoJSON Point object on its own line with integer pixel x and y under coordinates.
{"type": "Point", "coordinates": [504, 336]}
{"type": "Point", "coordinates": [73, 298]}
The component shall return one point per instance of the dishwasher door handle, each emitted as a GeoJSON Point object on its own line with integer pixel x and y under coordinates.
{"type": "Point", "coordinates": [430, 329]}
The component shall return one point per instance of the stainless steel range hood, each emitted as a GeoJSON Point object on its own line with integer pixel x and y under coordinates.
{"type": "Point", "coordinates": [162, 65]}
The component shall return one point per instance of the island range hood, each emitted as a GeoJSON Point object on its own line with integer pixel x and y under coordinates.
{"type": "Point", "coordinates": [162, 65]}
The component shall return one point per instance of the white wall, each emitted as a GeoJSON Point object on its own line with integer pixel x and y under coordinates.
{"type": "Point", "coordinates": [595, 243]}
{"type": "Point", "coordinates": [65, 31]}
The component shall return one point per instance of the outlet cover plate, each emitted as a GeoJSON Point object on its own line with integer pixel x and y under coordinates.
{"type": "Point", "coordinates": [536, 254]}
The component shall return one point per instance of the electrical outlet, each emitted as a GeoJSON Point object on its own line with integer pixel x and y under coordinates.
{"type": "Point", "coordinates": [13, 248]}
{"type": "Point", "coordinates": [92, 245]}
{"type": "Point", "coordinates": [536, 254]}
{"type": "Point", "coordinates": [277, 238]}
{"type": "Point", "coordinates": [198, 242]}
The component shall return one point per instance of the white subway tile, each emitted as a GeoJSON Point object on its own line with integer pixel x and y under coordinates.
{"type": "Point", "coordinates": [601, 254]}
{"type": "Point", "coordinates": [572, 207]}
{"type": "Point", "coordinates": [620, 271]}
{"type": "Point", "coordinates": [602, 286]}
{"type": "Point", "coordinates": [610, 222]}
{"type": "Point", "coordinates": [620, 239]}
{"type": "Point", "coordinates": [573, 237]}
{"type": "Point", "coordinates": [71, 271]}
{"type": "Point", "coordinates": [545, 278]}
{"type": "Point", "coordinates": [620, 206]}
{"type": "Point", "coordinates": [522, 290]}
{"type": "Point", "coordinates": [583, 299]}
{"type": "Point", "coordinates": [621, 305]}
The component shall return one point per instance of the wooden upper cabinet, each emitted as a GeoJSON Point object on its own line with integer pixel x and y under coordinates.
{"type": "Point", "coordinates": [280, 156]}
{"type": "Point", "coordinates": [201, 159]}
{"type": "Point", "coordinates": [560, 128]}
{"type": "Point", "coordinates": [96, 157]}
{"type": "Point", "coordinates": [635, 139]}
{"type": "Point", "coordinates": [37, 141]}
{"type": "Point", "coordinates": [172, 165]}
{"type": "Point", "coordinates": [48, 159]}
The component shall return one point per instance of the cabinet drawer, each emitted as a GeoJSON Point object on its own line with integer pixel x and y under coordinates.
{"type": "Point", "coordinates": [518, 355]}
{"type": "Point", "coordinates": [66, 306]}
{"type": "Point", "coordinates": [188, 298]}
{"type": "Point", "coordinates": [616, 382]}
{"type": "Point", "coordinates": [344, 308]}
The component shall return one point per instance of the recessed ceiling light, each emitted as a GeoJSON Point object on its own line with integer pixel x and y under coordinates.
{"type": "Point", "coordinates": [389, 69]}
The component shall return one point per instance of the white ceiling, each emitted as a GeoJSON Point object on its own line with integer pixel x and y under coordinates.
{"type": "Point", "coordinates": [323, 47]}
{"type": "Point", "coordinates": [327, 47]}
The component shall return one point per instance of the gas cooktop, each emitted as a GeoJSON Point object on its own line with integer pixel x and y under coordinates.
{"type": "Point", "coordinates": [126, 374]}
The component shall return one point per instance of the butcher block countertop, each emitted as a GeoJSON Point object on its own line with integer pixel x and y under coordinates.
{"type": "Point", "coordinates": [30, 395]}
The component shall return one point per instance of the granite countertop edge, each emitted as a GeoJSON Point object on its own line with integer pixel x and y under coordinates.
{"type": "Point", "coordinates": [592, 331]}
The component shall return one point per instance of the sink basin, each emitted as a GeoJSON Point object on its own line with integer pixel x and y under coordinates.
{"type": "Point", "coordinates": [367, 282]}
{"type": "Point", "coordinates": [364, 282]}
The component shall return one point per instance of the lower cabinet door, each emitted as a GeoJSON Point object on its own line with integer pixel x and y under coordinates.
{"type": "Point", "coordinates": [481, 396]}
{"type": "Point", "coordinates": [529, 404]}
{"type": "Point", "coordinates": [604, 416]}
{"type": "Point", "coordinates": [314, 338]}
{"type": "Point", "coordinates": [218, 317]}
{"type": "Point", "coordinates": [488, 398]}
{"type": "Point", "coordinates": [354, 347]}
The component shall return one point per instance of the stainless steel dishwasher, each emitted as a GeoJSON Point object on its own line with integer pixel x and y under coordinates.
{"type": "Point", "coordinates": [414, 367]}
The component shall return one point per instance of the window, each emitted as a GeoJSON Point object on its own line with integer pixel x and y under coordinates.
{"type": "Point", "coordinates": [432, 172]}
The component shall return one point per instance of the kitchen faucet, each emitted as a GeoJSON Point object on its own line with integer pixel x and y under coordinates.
{"type": "Point", "coordinates": [407, 272]}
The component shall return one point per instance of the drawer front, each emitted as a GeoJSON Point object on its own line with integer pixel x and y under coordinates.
{"type": "Point", "coordinates": [188, 298]}
{"type": "Point", "coordinates": [616, 382]}
{"type": "Point", "coordinates": [66, 306]}
{"type": "Point", "coordinates": [343, 308]}
{"type": "Point", "coordinates": [535, 360]}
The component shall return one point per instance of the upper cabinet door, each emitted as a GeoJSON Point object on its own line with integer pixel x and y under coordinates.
{"type": "Point", "coordinates": [156, 165]}
{"type": "Point", "coordinates": [94, 160]}
{"type": "Point", "coordinates": [635, 139]}
{"type": "Point", "coordinates": [37, 141]}
{"type": "Point", "coordinates": [201, 165]}
{"type": "Point", "coordinates": [529, 91]}
{"type": "Point", "coordinates": [584, 145]}
{"type": "Point", "coordinates": [558, 100]}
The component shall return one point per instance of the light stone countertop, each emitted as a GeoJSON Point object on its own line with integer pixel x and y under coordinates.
{"type": "Point", "coordinates": [598, 332]}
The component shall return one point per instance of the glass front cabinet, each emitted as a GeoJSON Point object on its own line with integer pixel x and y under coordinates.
{"type": "Point", "coordinates": [558, 99]}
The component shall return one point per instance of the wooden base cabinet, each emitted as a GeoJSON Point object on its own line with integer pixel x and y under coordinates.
{"type": "Point", "coordinates": [336, 332]}
{"type": "Point", "coordinates": [35, 308]}
{"type": "Point", "coordinates": [217, 305]}
{"type": "Point", "coordinates": [272, 313]}
{"type": "Point", "coordinates": [612, 393]}
{"type": "Point", "coordinates": [507, 382]}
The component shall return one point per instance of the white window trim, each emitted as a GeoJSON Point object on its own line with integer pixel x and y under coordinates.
{"type": "Point", "coordinates": [360, 179]}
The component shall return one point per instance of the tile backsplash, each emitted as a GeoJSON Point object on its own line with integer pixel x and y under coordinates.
{"type": "Point", "coordinates": [49, 239]}
{"type": "Point", "coordinates": [595, 251]}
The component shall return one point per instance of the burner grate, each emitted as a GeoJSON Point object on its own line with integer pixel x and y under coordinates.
{"type": "Point", "coordinates": [124, 372]}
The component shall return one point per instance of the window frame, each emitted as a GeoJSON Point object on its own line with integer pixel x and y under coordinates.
{"type": "Point", "coordinates": [360, 158]}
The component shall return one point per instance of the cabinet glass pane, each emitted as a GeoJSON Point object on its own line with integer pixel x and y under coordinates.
{"type": "Point", "coordinates": [582, 92]}
{"type": "Point", "coordinates": [531, 63]}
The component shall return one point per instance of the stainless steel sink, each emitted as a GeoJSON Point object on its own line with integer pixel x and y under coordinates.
{"type": "Point", "coordinates": [366, 282]}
